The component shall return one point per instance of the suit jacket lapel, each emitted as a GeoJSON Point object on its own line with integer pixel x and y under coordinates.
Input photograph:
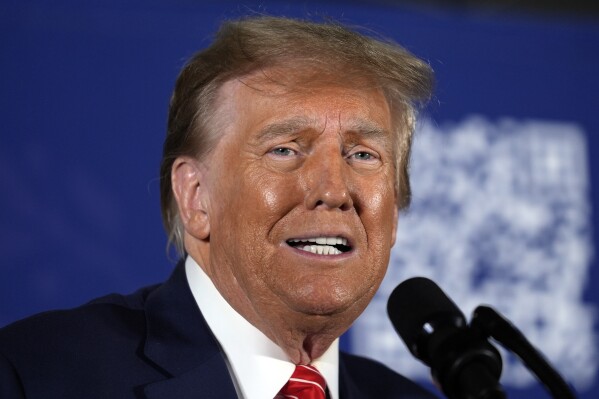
{"type": "Point", "coordinates": [347, 386]}
{"type": "Point", "coordinates": [181, 345]}
{"type": "Point", "coordinates": [211, 380]}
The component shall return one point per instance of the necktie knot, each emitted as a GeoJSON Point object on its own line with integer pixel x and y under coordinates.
{"type": "Point", "coordinates": [305, 383]}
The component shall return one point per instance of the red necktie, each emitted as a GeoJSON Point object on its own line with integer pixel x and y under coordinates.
{"type": "Point", "coordinates": [305, 383]}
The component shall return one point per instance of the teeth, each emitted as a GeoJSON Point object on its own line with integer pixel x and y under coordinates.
{"type": "Point", "coordinates": [321, 245]}
{"type": "Point", "coordinates": [323, 240]}
{"type": "Point", "coordinates": [321, 249]}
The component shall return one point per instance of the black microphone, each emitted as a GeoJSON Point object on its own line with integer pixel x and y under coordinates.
{"type": "Point", "coordinates": [463, 363]}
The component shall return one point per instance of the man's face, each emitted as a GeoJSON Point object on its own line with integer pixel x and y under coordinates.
{"type": "Point", "coordinates": [300, 199]}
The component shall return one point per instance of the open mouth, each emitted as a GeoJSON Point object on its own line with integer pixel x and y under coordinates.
{"type": "Point", "coordinates": [321, 245]}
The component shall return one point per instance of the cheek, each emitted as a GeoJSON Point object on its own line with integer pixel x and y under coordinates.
{"type": "Point", "coordinates": [268, 197]}
{"type": "Point", "coordinates": [379, 201]}
{"type": "Point", "coordinates": [379, 222]}
{"type": "Point", "coordinates": [376, 202]}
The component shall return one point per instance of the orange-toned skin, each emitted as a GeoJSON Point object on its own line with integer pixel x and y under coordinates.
{"type": "Point", "coordinates": [293, 163]}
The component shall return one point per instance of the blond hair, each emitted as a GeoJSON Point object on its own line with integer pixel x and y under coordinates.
{"type": "Point", "coordinates": [256, 43]}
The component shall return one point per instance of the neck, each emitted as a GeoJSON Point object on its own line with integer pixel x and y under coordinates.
{"type": "Point", "coordinates": [302, 345]}
{"type": "Point", "coordinates": [303, 337]}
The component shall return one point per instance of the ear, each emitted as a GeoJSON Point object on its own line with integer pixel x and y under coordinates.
{"type": "Point", "coordinates": [187, 180]}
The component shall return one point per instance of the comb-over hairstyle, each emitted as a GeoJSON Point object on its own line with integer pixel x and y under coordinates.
{"type": "Point", "coordinates": [329, 50]}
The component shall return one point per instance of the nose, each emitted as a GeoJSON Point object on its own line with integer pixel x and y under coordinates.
{"type": "Point", "coordinates": [327, 182]}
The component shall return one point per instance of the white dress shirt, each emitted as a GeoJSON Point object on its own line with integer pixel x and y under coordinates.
{"type": "Point", "coordinates": [259, 368]}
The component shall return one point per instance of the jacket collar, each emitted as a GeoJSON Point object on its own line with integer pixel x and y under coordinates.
{"type": "Point", "coordinates": [180, 344]}
{"type": "Point", "coordinates": [347, 386]}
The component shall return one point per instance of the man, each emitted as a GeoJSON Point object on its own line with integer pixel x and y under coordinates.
{"type": "Point", "coordinates": [284, 169]}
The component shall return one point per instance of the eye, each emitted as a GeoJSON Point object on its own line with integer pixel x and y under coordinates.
{"type": "Point", "coordinates": [363, 156]}
{"type": "Point", "coordinates": [364, 159]}
{"type": "Point", "coordinates": [283, 152]}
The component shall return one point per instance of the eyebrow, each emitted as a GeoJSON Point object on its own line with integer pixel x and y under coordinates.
{"type": "Point", "coordinates": [368, 128]}
{"type": "Point", "coordinates": [291, 126]}
{"type": "Point", "coordinates": [284, 128]}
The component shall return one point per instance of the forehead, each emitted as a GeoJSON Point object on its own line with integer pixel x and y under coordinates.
{"type": "Point", "coordinates": [276, 101]}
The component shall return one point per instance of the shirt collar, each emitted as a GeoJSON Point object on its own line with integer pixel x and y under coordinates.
{"type": "Point", "coordinates": [258, 366]}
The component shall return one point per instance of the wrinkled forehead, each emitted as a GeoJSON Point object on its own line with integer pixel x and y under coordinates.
{"type": "Point", "coordinates": [278, 101]}
{"type": "Point", "coordinates": [302, 77]}
{"type": "Point", "coordinates": [305, 97]}
{"type": "Point", "coordinates": [298, 82]}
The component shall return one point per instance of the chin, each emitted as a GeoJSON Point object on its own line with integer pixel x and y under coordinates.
{"type": "Point", "coordinates": [330, 302]}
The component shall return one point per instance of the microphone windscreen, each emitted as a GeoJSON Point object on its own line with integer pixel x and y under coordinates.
{"type": "Point", "coordinates": [417, 304]}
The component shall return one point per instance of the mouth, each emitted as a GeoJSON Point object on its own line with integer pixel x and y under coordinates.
{"type": "Point", "coordinates": [321, 245]}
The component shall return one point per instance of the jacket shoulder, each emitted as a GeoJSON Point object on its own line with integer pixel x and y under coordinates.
{"type": "Point", "coordinates": [89, 351]}
{"type": "Point", "coordinates": [373, 379]}
{"type": "Point", "coordinates": [83, 326]}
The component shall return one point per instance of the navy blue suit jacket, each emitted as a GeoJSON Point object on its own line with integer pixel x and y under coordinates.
{"type": "Point", "coordinates": [152, 344]}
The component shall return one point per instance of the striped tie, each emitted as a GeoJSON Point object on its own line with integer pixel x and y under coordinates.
{"type": "Point", "coordinates": [305, 383]}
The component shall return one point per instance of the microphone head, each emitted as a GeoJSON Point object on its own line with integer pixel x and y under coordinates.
{"type": "Point", "coordinates": [463, 363]}
{"type": "Point", "coordinates": [423, 316]}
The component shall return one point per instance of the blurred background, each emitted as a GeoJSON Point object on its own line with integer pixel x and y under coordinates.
{"type": "Point", "coordinates": [505, 182]}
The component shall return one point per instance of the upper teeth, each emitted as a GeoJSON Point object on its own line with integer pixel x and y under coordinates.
{"type": "Point", "coordinates": [323, 240]}
{"type": "Point", "coordinates": [324, 245]}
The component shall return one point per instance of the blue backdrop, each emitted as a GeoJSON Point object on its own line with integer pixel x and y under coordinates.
{"type": "Point", "coordinates": [85, 89]}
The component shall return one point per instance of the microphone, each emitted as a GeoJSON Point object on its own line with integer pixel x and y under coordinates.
{"type": "Point", "coordinates": [463, 362]}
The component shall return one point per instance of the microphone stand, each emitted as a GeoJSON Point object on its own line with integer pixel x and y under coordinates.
{"type": "Point", "coordinates": [463, 362]}
{"type": "Point", "coordinates": [486, 322]}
